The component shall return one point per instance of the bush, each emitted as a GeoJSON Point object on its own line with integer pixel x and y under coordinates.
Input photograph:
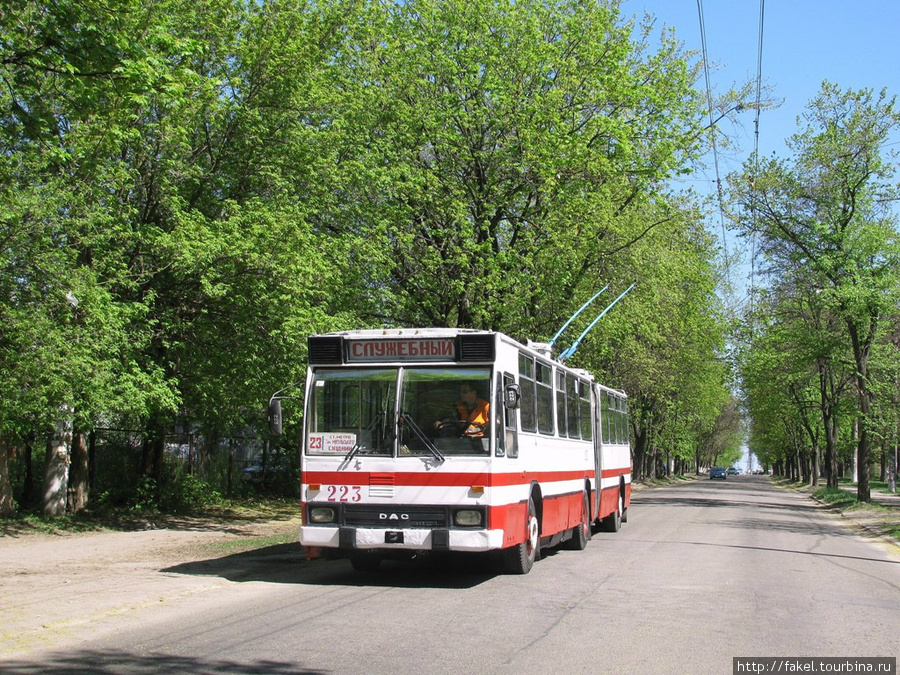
{"type": "Point", "coordinates": [185, 492]}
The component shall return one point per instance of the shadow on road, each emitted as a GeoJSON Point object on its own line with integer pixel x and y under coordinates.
{"type": "Point", "coordinates": [772, 549]}
{"type": "Point", "coordinates": [118, 662]}
{"type": "Point", "coordinates": [714, 502]}
{"type": "Point", "coordinates": [287, 564]}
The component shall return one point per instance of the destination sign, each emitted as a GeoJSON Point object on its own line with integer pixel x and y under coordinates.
{"type": "Point", "coordinates": [331, 444]}
{"type": "Point", "coordinates": [407, 349]}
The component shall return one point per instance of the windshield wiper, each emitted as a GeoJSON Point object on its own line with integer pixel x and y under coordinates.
{"type": "Point", "coordinates": [358, 446]}
{"type": "Point", "coordinates": [405, 417]}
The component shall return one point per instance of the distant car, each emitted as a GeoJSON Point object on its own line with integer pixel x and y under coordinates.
{"type": "Point", "coordinates": [717, 472]}
{"type": "Point", "coordinates": [733, 472]}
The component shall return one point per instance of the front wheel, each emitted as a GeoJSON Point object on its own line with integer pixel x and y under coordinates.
{"type": "Point", "coordinates": [519, 559]}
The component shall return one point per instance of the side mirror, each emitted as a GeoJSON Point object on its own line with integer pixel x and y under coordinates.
{"type": "Point", "coordinates": [511, 396]}
{"type": "Point", "coordinates": [275, 417]}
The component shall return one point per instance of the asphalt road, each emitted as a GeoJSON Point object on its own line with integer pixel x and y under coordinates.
{"type": "Point", "coordinates": [701, 573]}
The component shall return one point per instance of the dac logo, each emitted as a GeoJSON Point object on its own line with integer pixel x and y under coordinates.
{"type": "Point", "coordinates": [393, 516]}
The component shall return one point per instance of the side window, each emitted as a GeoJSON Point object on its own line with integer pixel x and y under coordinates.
{"type": "Point", "coordinates": [618, 403]}
{"type": "Point", "coordinates": [613, 419]}
{"type": "Point", "coordinates": [527, 387]}
{"type": "Point", "coordinates": [585, 408]}
{"type": "Point", "coordinates": [561, 416]}
{"type": "Point", "coordinates": [617, 421]}
{"type": "Point", "coordinates": [572, 405]}
{"type": "Point", "coordinates": [604, 416]}
{"type": "Point", "coordinates": [545, 398]}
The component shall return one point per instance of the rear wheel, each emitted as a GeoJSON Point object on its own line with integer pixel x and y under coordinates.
{"type": "Point", "coordinates": [519, 559]}
{"type": "Point", "coordinates": [581, 534]}
{"type": "Point", "coordinates": [613, 521]}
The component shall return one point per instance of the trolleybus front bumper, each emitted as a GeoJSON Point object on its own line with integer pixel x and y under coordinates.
{"type": "Point", "coordinates": [411, 539]}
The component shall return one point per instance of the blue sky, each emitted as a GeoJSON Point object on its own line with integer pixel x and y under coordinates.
{"type": "Point", "coordinates": [853, 43]}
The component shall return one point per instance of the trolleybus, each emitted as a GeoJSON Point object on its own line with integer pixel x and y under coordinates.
{"type": "Point", "coordinates": [455, 440]}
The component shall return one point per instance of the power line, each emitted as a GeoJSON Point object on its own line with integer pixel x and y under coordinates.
{"type": "Point", "coordinates": [759, 61]}
{"type": "Point", "coordinates": [712, 136]}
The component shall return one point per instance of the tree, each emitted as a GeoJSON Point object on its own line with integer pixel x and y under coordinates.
{"type": "Point", "coordinates": [664, 344]}
{"type": "Point", "coordinates": [69, 341]}
{"type": "Point", "coordinates": [156, 180]}
{"type": "Point", "coordinates": [827, 213]}
{"type": "Point", "coordinates": [500, 151]}
{"type": "Point", "coordinates": [798, 347]}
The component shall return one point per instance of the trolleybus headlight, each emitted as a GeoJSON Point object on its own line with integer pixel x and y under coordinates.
{"type": "Point", "coordinates": [322, 514]}
{"type": "Point", "coordinates": [468, 517]}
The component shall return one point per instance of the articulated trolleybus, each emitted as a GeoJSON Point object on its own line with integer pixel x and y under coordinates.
{"type": "Point", "coordinates": [456, 440]}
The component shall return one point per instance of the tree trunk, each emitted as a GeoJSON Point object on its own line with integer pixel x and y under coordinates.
{"type": "Point", "coordinates": [892, 469]}
{"type": "Point", "coordinates": [56, 472]}
{"type": "Point", "coordinates": [152, 457]}
{"type": "Point", "coordinates": [865, 396]}
{"type": "Point", "coordinates": [7, 504]}
{"type": "Point", "coordinates": [229, 485]}
{"type": "Point", "coordinates": [832, 430]}
{"type": "Point", "coordinates": [816, 469]}
{"type": "Point", "coordinates": [28, 491]}
{"type": "Point", "coordinates": [79, 485]}
{"type": "Point", "coordinates": [640, 442]}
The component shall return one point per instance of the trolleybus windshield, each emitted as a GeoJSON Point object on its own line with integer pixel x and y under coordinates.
{"type": "Point", "coordinates": [399, 412]}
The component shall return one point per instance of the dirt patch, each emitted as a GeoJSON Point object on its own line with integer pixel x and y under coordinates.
{"type": "Point", "coordinates": [63, 586]}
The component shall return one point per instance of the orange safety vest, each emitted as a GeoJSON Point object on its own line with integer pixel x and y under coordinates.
{"type": "Point", "coordinates": [477, 418]}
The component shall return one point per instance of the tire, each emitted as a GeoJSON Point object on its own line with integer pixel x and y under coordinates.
{"type": "Point", "coordinates": [613, 522]}
{"type": "Point", "coordinates": [519, 559]}
{"type": "Point", "coordinates": [581, 534]}
{"type": "Point", "coordinates": [365, 562]}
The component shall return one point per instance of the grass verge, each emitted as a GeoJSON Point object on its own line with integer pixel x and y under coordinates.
{"type": "Point", "coordinates": [835, 497]}
{"type": "Point", "coordinates": [235, 511]}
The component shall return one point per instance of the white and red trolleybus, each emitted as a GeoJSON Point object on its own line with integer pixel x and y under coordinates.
{"type": "Point", "coordinates": [390, 466]}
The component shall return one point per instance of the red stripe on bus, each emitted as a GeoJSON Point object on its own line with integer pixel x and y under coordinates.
{"type": "Point", "coordinates": [612, 473]}
{"type": "Point", "coordinates": [445, 479]}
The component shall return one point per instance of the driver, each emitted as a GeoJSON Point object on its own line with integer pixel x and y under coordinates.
{"type": "Point", "coordinates": [472, 413]}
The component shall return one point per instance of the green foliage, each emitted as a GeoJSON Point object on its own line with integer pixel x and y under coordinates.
{"type": "Point", "coordinates": [499, 154]}
{"type": "Point", "coordinates": [188, 189]}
